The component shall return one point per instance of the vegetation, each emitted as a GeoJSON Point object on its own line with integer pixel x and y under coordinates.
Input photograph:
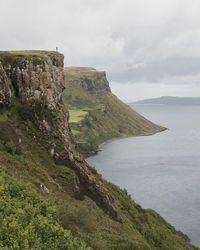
{"type": "Point", "coordinates": [75, 73]}
{"type": "Point", "coordinates": [8, 147]}
{"type": "Point", "coordinates": [36, 56]}
{"type": "Point", "coordinates": [28, 222]}
{"type": "Point", "coordinates": [76, 115]}
{"type": "Point", "coordinates": [30, 163]}
{"type": "Point", "coordinates": [52, 216]}
{"type": "Point", "coordinates": [149, 223]}
{"type": "Point", "coordinates": [98, 118]}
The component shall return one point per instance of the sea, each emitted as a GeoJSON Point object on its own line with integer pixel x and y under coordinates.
{"type": "Point", "coordinates": [160, 171]}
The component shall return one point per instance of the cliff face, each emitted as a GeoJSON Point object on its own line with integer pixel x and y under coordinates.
{"type": "Point", "coordinates": [36, 79]}
{"type": "Point", "coordinates": [93, 81]}
{"type": "Point", "coordinates": [28, 78]}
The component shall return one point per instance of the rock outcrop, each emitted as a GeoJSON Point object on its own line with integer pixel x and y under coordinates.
{"type": "Point", "coordinates": [93, 81]}
{"type": "Point", "coordinates": [36, 79]}
{"type": "Point", "coordinates": [27, 78]}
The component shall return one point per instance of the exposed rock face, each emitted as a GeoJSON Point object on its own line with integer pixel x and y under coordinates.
{"type": "Point", "coordinates": [38, 83]}
{"type": "Point", "coordinates": [97, 85]}
{"type": "Point", "coordinates": [27, 80]}
{"type": "Point", "coordinates": [6, 88]}
{"type": "Point", "coordinates": [95, 82]}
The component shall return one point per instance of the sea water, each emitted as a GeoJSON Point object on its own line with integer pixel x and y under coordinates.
{"type": "Point", "coordinates": [162, 171]}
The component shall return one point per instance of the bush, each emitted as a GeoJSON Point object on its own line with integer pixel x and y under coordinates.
{"type": "Point", "coordinates": [25, 112]}
{"type": "Point", "coordinates": [28, 222]}
{"type": "Point", "coordinates": [9, 147]}
{"type": "Point", "coordinates": [76, 218]}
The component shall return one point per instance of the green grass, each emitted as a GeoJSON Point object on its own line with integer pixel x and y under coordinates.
{"type": "Point", "coordinates": [149, 223]}
{"type": "Point", "coordinates": [76, 115]}
{"type": "Point", "coordinates": [32, 164]}
{"type": "Point", "coordinates": [36, 56]}
{"type": "Point", "coordinates": [28, 222]}
{"type": "Point", "coordinates": [82, 72]}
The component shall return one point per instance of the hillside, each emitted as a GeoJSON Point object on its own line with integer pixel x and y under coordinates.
{"type": "Point", "coordinates": [30, 222]}
{"type": "Point", "coordinates": [171, 100]}
{"type": "Point", "coordinates": [96, 115]}
{"type": "Point", "coordinates": [38, 148]}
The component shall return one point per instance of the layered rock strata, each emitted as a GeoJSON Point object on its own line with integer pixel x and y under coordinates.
{"type": "Point", "coordinates": [93, 81]}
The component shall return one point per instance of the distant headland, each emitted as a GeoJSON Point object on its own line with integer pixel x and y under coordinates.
{"type": "Point", "coordinates": [171, 100]}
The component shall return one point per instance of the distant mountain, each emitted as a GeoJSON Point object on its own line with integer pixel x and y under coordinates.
{"type": "Point", "coordinates": [171, 100]}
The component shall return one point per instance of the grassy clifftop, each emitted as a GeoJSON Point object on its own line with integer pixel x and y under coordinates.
{"type": "Point", "coordinates": [37, 56]}
{"type": "Point", "coordinates": [98, 117]}
{"type": "Point", "coordinates": [76, 73]}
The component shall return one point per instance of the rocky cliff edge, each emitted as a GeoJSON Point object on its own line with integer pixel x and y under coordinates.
{"type": "Point", "coordinates": [93, 81]}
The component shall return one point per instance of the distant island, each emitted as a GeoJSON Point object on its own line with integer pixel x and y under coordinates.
{"type": "Point", "coordinates": [171, 100]}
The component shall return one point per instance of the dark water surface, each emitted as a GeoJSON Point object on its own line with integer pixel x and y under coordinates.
{"type": "Point", "coordinates": [161, 171]}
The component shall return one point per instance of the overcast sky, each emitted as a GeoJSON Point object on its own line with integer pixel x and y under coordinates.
{"type": "Point", "coordinates": [148, 48]}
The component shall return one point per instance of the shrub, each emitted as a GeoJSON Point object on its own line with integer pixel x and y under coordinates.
{"type": "Point", "coordinates": [28, 222]}
{"type": "Point", "coordinates": [25, 112]}
{"type": "Point", "coordinates": [10, 147]}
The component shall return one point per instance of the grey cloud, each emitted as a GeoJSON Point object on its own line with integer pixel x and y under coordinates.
{"type": "Point", "coordinates": [158, 70]}
{"type": "Point", "coordinates": [134, 41]}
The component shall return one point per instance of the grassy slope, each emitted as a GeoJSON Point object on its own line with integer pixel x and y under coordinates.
{"type": "Point", "coordinates": [98, 118]}
{"type": "Point", "coordinates": [28, 222]}
{"type": "Point", "coordinates": [30, 163]}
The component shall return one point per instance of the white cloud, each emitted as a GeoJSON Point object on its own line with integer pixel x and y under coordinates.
{"type": "Point", "coordinates": [151, 41]}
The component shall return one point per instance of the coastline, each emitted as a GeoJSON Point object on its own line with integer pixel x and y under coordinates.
{"type": "Point", "coordinates": [92, 153]}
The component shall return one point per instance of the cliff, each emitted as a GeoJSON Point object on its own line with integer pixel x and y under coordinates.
{"type": "Point", "coordinates": [38, 148]}
{"type": "Point", "coordinates": [96, 115]}
{"type": "Point", "coordinates": [31, 75]}
{"type": "Point", "coordinates": [36, 79]}
{"type": "Point", "coordinates": [95, 82]}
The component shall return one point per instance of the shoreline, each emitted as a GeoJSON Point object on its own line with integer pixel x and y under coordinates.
{"type": "Point", "coordinates": [122, 137]}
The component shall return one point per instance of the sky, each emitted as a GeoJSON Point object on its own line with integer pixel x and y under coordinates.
{"type": "Point", "coordinates": [148, 48]}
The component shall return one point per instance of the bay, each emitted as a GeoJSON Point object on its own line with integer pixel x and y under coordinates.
{"type": "Point", "coordinates": [162, 171]}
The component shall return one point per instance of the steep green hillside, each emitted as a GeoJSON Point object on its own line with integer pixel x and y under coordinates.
{"type": "Point", "coordinates": [29, 162]}
{"type": "Point", "coordinates": [37, 148]}
{"type": "Point", "coordinates": [28, 222]}
{"type": "Point", "coordinates": [96, 115]}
